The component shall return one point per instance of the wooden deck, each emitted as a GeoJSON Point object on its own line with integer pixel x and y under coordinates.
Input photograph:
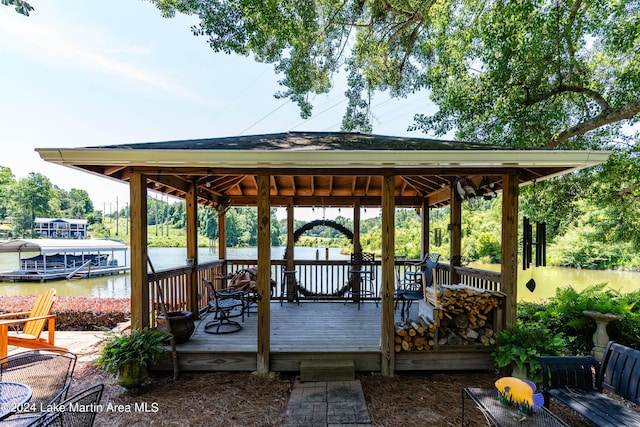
{"type": "Point", "coordinates": [315, 331]}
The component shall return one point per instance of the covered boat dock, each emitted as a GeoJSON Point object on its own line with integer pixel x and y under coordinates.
{"type": "Point", "coordinates": [41, 260]}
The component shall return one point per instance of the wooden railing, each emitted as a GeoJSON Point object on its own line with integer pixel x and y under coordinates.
{"type": "Point", "coordinates": [317, 280]}
{"type": "Point", "coordinates": [481, 279]}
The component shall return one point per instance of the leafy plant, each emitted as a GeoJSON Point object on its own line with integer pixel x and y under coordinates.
{"type": "Point", "coordinates": [564, 312]}
{"type": "Point", "coordinates": [519, 346]}
{"type": "Point", "coordinates": [140, 346]}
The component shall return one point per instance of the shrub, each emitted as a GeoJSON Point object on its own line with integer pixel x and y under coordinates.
{"type": "Point", "coordinates": [564, 313]}
{"type": "Point", "coordinates": [523, 342]}
{"type": "Point", "coordinates": [77, 313]}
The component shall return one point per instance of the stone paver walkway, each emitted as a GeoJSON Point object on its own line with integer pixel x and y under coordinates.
{"type": "Point", "coordinates": [327, 403]}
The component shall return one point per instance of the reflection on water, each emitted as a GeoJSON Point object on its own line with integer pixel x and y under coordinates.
{"type": "Point", "coordinates": [548, 279]}
{"type": "Point", "coordinates": [119, 286]}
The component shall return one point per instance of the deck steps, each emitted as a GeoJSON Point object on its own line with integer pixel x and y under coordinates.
{"type": "Point", "coordinates": [327, 370]}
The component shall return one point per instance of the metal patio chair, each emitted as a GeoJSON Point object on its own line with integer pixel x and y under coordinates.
{"type": "Point", "coordinates": [412, 287]}
{"type": "Point", "coordinates": [47, 371]}
{"type": "Point", "coordinates": [225, 304]}
{"type": "Point", "coordinates": [362, 270]}
{"type": "Point", "coordinates": [78, 410]}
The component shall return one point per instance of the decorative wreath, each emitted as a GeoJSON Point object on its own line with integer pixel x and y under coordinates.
{"type": "Point", "coordinates": [310, 226]}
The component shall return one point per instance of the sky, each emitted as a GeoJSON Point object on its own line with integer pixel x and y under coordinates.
{"type": "Point", "coordinates": [79, 73]}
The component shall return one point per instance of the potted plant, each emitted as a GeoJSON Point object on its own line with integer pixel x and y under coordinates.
{"type": "Point", "coordinates": [181, 324]}
{"type": "Point", "coordinates": [519, 346]}
{"type": "Point", "coordinates": [127, 355]}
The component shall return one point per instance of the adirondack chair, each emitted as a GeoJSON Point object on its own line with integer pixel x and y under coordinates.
{"type": "Point", "coordinates": [33, 322]}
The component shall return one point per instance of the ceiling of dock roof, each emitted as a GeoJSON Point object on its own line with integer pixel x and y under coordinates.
{"type": "Point", "coordinates": [320, 169]}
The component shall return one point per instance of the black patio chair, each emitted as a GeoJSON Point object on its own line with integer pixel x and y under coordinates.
{"type": "Point", "coordinates": [47, 371]}
{"type": "Point", "coordinates": [362, 270]}
{"type": "Point", "coordinates": [288, 282]}
{"type": "Point", "coordinates": [225, 304]}
{"type": "Point", "coordinates": [78, 410]}
{"type": "Point", "coordinates": [411, 288]}
{"type": "Point", "coordinates": [413, 271]}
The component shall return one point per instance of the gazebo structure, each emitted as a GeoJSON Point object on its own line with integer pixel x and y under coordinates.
{"type": "Point", "coordinates": [304, 169]}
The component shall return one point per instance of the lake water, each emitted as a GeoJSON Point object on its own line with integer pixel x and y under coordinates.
{"type": "Point", "coordinates": [119, 286]}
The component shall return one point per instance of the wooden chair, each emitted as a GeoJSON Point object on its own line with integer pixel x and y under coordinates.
{"type": "Point", "coordinates": [34, 322]}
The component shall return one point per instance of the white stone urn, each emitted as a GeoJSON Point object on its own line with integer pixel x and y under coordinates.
{"type": "Point", "coordinates": [600, 337]}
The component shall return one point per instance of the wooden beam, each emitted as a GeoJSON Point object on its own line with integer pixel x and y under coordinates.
{"type": "Point", "coordinates": [264, 274]}
{"type": "Point", "coordinates": [510, 247]}
{"type": "Point", "coordinates": [388, 277]}
{"type": "Point", "coordinates": [139, 278]}
{"type": "Point", "coordinates": [192, 248]}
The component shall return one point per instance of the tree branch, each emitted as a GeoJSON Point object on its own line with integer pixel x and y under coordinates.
{"type": "Point", "coordinates": [604, 105]}
{"type": "Point", "coordinates": [626, 112]}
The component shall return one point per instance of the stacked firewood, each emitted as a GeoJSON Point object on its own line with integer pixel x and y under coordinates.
{"type": "Point", "coordinates": [415, 335]}
{"type": "Point", "coordinates": [463, 316]}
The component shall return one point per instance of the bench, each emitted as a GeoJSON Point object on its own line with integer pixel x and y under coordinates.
{"type": "Point", "coordinates": [580, 383]}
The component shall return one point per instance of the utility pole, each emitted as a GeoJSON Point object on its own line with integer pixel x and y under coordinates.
{"type": "Point", "coordinates": [117, 218]}
{"type": "Point", "coordinates": [156, 214]}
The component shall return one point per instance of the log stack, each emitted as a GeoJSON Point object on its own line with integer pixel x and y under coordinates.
{"type": "Point", "coordinates": [415, 335]}
{"type": "Point", "coordinates": [463, 316]}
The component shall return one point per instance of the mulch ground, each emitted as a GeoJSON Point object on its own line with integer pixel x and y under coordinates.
{"type": "Point", "coordinates": [244, 399]}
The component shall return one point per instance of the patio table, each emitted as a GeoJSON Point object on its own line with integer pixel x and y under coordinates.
{"type": "Point", "coordinates": [12, 397]}
{"type": "Point", "coordinates": [499, 414]}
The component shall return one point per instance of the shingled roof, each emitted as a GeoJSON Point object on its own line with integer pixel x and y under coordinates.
{"type": "Point", "coordinates": [320, 168]}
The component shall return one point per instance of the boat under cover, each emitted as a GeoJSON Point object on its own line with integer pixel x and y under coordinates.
{"type": "Point", "coordinates": [63, 258]}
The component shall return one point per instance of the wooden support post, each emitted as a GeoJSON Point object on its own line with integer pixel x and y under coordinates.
{"type": "Point", "coordinates": [193, 287]}
{"type": "Point", "coordinates": [424, 209]}
{"type": "Point", "coordinates": [222, 240]}
{"type": "Point", "coordinates": [388, 276]}
{"type": "Point", "coordinates": [140, 315]}
{"type": "Point", "coordinates": [222, 235]}
{"type": "Point", "coordinates": [264, 274]}
{"type": "Point", "coordinates": [455, 230]}
{"type": "Point", "coordinates": [509, 272]}
{"type": "Point", "coordinates": [290, 280]}
{"type": "Point", "coordinates": [355, 278]}
{"type": "Point", "coordinates": [356, 225]}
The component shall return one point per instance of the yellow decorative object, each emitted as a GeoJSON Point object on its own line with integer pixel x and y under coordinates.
{"type": "Point", "coordinates": [520, 392]}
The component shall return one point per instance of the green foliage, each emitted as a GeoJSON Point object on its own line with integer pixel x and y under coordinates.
{"type": "Point", "coordinates": [21, 6]}
{"type": "Point", "coordinates": [564, 312]}
{"type": "Point", "coordinates": [140, 346]}
{"type": "Point", "coordinates": [523, 342]}
{"type": "Point", "coordinates": [501, 72]}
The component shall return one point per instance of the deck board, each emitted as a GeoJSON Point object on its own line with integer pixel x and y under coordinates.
{"type": "Point", "coordinates": [331, 330]}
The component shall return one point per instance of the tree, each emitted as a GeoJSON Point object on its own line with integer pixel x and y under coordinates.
{"type": "Point", "coordinates": [81, 204]}
{"type": "Point", "coordinates": [31, 197]}
{"type": "Point", "coordinates": [508, 72]}
{"type": "Point", "coordinates": [7, 180]}
{"type": "Point", "coordinates": [21, 6]}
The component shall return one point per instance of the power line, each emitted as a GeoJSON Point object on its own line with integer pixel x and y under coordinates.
{"type": "Point", "coordinates": [264, 117]}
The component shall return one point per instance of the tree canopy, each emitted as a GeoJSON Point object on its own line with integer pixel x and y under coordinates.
{"type": "Point", "coordinates": [21, 6]}
{"type": "Point", "coordinates": [537, 73]}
